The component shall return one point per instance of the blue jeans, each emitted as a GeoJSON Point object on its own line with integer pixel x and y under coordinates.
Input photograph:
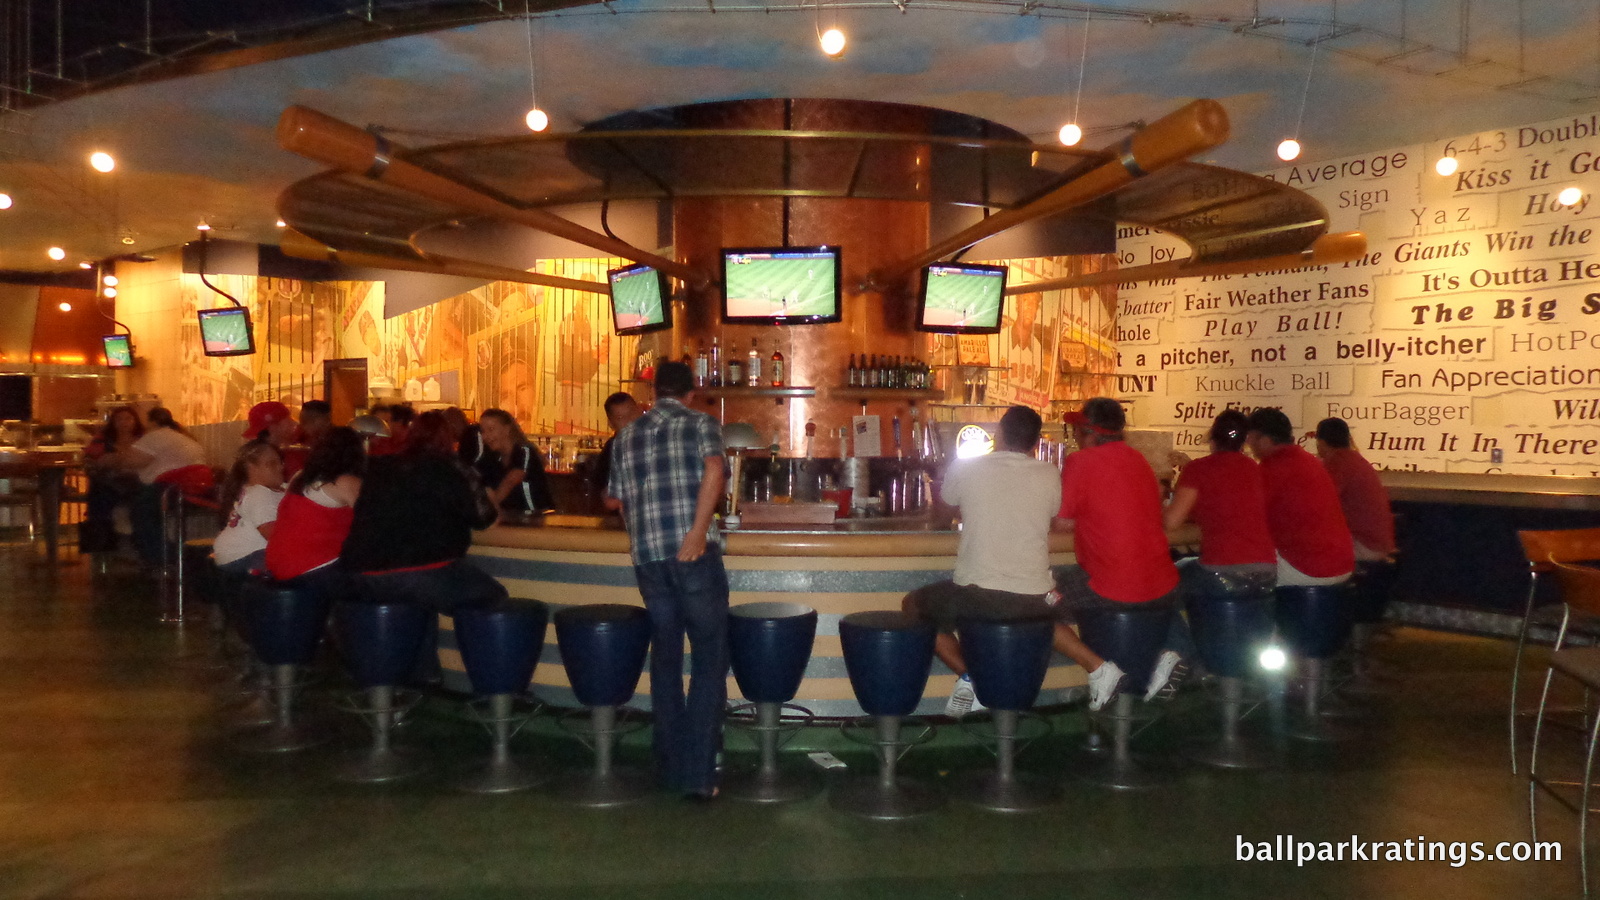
{"type": "Point", "coordinates": [443, 590]}
{"type": "Point", "coordinates": [687, 598]}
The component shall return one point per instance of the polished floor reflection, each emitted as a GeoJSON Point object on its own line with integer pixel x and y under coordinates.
{"type": "Point", "coordinates": [117, 780]}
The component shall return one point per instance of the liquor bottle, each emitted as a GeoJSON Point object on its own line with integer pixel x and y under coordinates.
{"type": "Point", "coordinates": [735, 376]}
{"type": "Point", "coordinates": [702, 367]}
{"type": "Point", "coordinates": [716, 362]}
{"type": "Point", "coordinates": [852, 374]}
{"type": "Point", "coordinates": [873, 372]}
{"type": "Point", "coordinates": [752, 373]}
{"type": "Point", "coordinates": [777, 366]}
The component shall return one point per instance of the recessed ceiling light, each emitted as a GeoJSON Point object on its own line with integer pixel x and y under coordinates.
{"type": "Point", "coordinates": [102, 162]}
{"type": "Point", "coordinates": [537, 119]}
{"type": "Point", "coordinates": [1289, 149]}
{"type": "Point", "coordinates": [1070, 134]}
{"type": "Point", "coordinates": [56, 253]}
{"type": "Point", "coordinates": [5, 201]}
{"type": "Point", "coordinates": [832, 42]}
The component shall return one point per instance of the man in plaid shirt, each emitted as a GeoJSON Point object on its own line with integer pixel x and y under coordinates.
{"type": "Point", "coordinates": [667, 472]}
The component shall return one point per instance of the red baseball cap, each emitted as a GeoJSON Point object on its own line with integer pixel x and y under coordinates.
{"type": "Point", "coordinates": [264, 415]}
{"type": "Point", "coordinates": [1076, 418]}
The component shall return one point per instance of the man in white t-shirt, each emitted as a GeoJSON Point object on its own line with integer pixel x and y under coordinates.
{"type": "Point", "coordinates": [167, 450]}
{"type": "Point", "coordinates": [1007, 501]}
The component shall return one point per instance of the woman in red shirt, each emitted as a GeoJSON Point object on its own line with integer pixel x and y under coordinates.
{"type": "Point", "coordinates": [314, 517]}
{"type": "Point", "coordinates": [1224, 495]}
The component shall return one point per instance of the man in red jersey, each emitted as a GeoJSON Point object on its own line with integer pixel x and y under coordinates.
{"type": "Point", "coordinates": [1308, 528]}
{"type": "Point", "coordinates": [1362, 496]}
{"type": "Point", "coordinates": [1111, 502]}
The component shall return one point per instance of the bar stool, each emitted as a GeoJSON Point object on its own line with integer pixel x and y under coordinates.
{"type": "Point", "coordinates": [500, 647]}
{"type": "Point", "coordinates": [284, 626]}
{"type": "Point", "coordinates": [888, 656]}
{"type": "Point", "coordinates": [1543, 549]}
{"type": "Point", "coordinates": [1314, 622]}
{"type": "Point", "coordinates": [1231, 625]}
{"type": "Point", "coordinates": [379, 642]}
{"type": "Point", "coordinates": [603, 647]}
{"type": "Point", "coordinates": [1370, 588]}
{"type": "Point", "coordinates": [1007, 660]}
{"type": "Point", "coordinates": [1580, 592]}
{"type": "Point", "coordinates": [769, 645]}
{"type": "Point", "coordinates": [1131, 637]}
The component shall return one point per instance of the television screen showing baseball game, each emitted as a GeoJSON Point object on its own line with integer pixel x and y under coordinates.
{"type": "Point", "coordinates": [640, 299]}
{"type": "Point", "coordinates": [119, 350]}
{"type": "Point", "coordinates": [961, 298]}
{"type": "Point", "coordinates": [780, 285]}
{"type": "Point", "coordinates": [226, 331]}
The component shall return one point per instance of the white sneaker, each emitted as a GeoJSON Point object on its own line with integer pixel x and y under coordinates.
{"type": "Point", "coordinates": [1161, 674]}
{"type": "Point", "coordinates": [963, 699]}
{"type": "Point", "coordinates": [1103, 684]}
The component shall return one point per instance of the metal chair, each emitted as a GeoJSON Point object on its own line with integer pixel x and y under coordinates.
{"type": "Point", "coordinates": [769, 645]}
{"type": "Point", "coordinates": [380, 642]}
{"type": "Point", "coordinates": [1543, 549]}
{"type": "Point", "coordinates": [1131, 638]}
{"type": "Point", "coordinates": [888, 656]}
{"type": "Point", "coordinates": [1007, 660]}
{"type": "Point", "coordinates": [1314, 622]}
{"type": "Point", "coordinates": [603, 648]}
{"type": "Point", "coordinates": [284, 627]}
{"type": "Point", "coordinates": [1231, 625]}
{"type": "Point", "coordinates": [1580, 591]}
{"type": "Point", "coordinates": [501, 648]}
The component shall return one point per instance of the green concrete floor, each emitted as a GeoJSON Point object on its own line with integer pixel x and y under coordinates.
{"type": "Point", "coordinates": [117, 781]}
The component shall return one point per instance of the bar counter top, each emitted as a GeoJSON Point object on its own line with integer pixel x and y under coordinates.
{"type": "Point", "coordinates": [1493, 489]}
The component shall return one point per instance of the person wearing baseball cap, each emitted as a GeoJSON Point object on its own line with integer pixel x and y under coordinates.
{"type": "Point", "coordinates": [272, 422]}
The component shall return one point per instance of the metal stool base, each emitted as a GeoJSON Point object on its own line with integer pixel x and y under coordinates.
{"type": "Point", "coordinates": [280, 739]}
{"type": "Point", "coordinates": [618, 787]}
{"type": "Point", "coordinates": [379, 766]}
{"type": "Point", "coordinates": [504, 776]}
{"type": "Point", "coordinates": [255, 712]}
{"type": "Point", "coordinates": [1020, 793]}
{"type": "Point", "coordinates": [1238, 753]}
{"type": "Point", "coordinates": [1320, 730]}
{"type": "Point", "coordinates": [1126, 774]}
{"type": "Point", "coordinates": [771, 786]}
{"type": "Point", "coordinates": [867, 796]}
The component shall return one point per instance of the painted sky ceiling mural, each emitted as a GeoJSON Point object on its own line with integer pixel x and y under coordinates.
{"type": "Point", "coordinates": [1367, 75]}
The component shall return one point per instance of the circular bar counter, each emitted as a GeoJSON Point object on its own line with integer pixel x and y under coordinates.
{"type": "Point", "coordinates": [853, 566]}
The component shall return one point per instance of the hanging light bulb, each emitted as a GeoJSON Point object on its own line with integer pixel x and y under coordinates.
{"type": "Point", "coordinates": [102, 162]}
{"type": "Point", "coordinates": [86, 265]}
{"type": "Point", "coordinates": [109, 281]}
{"type": "Point", "coordinates": [537, 119]}
{"type": "Point", "coordinates": [1289, 149]}
{"type": "Point", "coordinates": [5, 201]}
{"type": "Point", "coordinates": [282, 224]}
{"type": "Point", "coordinates": [56, 253]}
{"type": "Point", "coordinates": [1446, 165]}
{"type": "Point", "coordinates": [1070, 134]}
{"type": "Point", "coordinates": [832, 42]}
{"type": "Point", "coordinates": [110, 292]}
{"type": "Point", "coordinates": [64, 306]}
{"type": "Point", "coordinates": [1570, 196]}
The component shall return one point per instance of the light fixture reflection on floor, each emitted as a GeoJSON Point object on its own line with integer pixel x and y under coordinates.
{"type": "Point", "coordinates": [832, 42]}
{"type": "Point", "coordinates": [1446, 165]}
{"type": "Point", "coordinates": [1289, 149]}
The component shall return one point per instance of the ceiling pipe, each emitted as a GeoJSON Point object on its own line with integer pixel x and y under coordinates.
{"type": "Point", "coordinates": [327, 140]}
{"type": "Point", "coordinates": [1327, 250]}
{"type": "Point", "coordinates": [303, 246]}
{"type": "Point", "coordinates": [1175, 137]}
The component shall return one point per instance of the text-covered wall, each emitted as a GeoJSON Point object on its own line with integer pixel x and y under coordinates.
{"type": "Point", "coordinates": [1468, 339]}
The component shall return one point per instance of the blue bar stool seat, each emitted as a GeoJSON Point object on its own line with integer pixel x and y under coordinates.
{"type": "Point", "coordinates": [283, 625]}
{"type": "Point", "coordinates": [769, 645]}
{"type": "Point", "coordinates": [379, 642]}
{"type": "Point", "coordinates": [1232, 624]}
{"type": "Point", "coordinates": [1007, 660]}
{"type": "Point", "coordinates": [1130, 636]}
{"type": "Point", "coordinates": [500, 647]}
{"type": "Point", "coordinates": [888, 656]}
{"type": "Point", "coordinates": [1314, 623]}
{"type": "Point", "coordinates": [603, 647]}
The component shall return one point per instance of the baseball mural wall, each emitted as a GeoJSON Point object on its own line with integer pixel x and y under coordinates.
{"type": "Point", "coordinates": [1467, 340]}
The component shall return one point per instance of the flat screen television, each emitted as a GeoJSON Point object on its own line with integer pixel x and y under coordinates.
{"type": "Point", "coordinates": [640, 299]}
{"type": "Point", "coordinates": [227, 332]}
{"type": "Point", "coordinates": [961, 298]}
{"type": "Point", "coordinates": [119, 350]}
{"type": "Point", "coordinates": [780, 285]}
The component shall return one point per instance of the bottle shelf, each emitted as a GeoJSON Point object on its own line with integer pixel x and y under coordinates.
{"type": "Point", "coordinates": [890, 395]}
{"type": "Point", "coordinates": [739, 392]}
